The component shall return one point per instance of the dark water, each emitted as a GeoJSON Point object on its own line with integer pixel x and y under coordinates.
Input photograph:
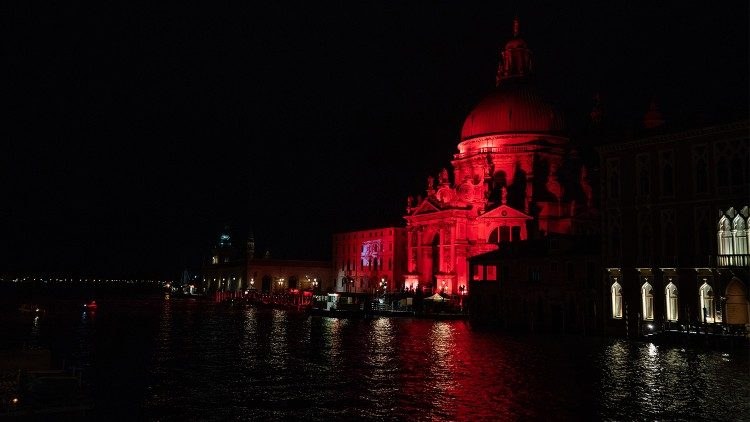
{"type": "Point", "coordinates": [181, 359]}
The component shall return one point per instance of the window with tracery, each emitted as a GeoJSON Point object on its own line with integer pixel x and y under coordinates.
{"type": "Point", "coordinates": [666, 166]}
{"type": "Point", "coordinates": [647, 301]}
{"type": "Point", "coordinates": [707, 303]}
{"type": "Point", "coordinates": [739, 230]}
{"type": "Point", "coordinates": [670, 294]}
{"type": "Point", "coordinates": [643, 175]}
{"type": "Point", "coordinates": [668, 235]}
{"type": "Point", "coordinates": [614, 228]}
{"type": "Point", "coordinates": [700, 166]}
{"type": "Point", "coordinates": [616, 293]}
{"type": "Point", "coordinates": [645, 236]}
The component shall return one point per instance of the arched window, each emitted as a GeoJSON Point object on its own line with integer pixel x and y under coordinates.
{"type": "Point", "coordinates": [666, 162]}
{"type": "Point", "coordinates": [707, 303]}
{"type": "Point", "coordinates": [740, 235]}
{"type": "Point", "coordinates": [668, 234]}
{"type": "Point", "coordinates": [726, 243]}
{"type": "Point", "coordinates": [737, 304]}
{"type": "Point", "coordinates": [672, 306]}
{"type": "Point", "coordinates": [613, 178]}
{"type": "Point", "coordinates": [647, 299]}
{"type": "Point", "coordinates": [722, 171]}
{"type": "Point", "coordinates": [616, 300]}
{"type": "Point", "coordinates": [700, 167]}
{"type": "Point", "coordinates": [643, 173]}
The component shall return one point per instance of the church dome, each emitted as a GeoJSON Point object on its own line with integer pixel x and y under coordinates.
{"type": "Point", "coordinates": [515, 106]}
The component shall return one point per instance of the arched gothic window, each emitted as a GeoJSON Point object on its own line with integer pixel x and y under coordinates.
{"type": "Point", "coordinates": [740, 235]}
{"type": "Point", "coordinates": [725, 237]}
{"type": "Point", "coordinates": [707, 303]}
{"type": "Point", "coordinates": [672, 305]}
{"type": "Point", "coordinates": [616, 300]}
{"type": "Point", "coordinates": [647, 299]}
{"type": "Point", "coordinates": [700, 166]}
{"type": "Point", "coordinates": [643, 174]}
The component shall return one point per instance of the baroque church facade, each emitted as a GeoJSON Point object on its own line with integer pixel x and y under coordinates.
{"type": "Point", "coordinates": [516, 176]}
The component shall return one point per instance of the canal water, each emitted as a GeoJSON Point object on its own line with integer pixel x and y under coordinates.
{"type": "Point", "coordinates": [184, 359]}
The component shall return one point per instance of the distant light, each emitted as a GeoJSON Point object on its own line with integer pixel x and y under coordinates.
{"type": "Point", "coordinates": [650, 326]}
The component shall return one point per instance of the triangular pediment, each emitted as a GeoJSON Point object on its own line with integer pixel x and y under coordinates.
{"type": "Point", "coordinates": [426, 207]}
{"type": "Point", "coordinates": [504, 211]}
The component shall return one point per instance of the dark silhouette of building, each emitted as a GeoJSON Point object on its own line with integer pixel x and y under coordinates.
{"type": "Point", "coordinates": [674, 216]}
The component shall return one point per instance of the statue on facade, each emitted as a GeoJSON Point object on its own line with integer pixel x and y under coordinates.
{"type": "Point", "coordinates": [503, 195]}
{"type": "Point", "coordinates": [443, 177]}
{"type": "Point", "coordinates": [430, 183]}
{"type": "Point", "coordinates": [489, 169]}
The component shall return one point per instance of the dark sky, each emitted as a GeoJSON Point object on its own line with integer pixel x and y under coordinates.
{"type": "Point", "coordinates": [137, 132]}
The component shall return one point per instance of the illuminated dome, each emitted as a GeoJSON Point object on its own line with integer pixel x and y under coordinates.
{"type": "Point", "coordinates": [515, 106]}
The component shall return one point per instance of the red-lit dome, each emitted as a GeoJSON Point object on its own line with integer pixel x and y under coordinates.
{"type": "Point", "coordinates": [515, 106]}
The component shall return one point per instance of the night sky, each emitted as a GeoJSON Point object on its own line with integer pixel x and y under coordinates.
{"type": "Point", "coordinates": [137, 132]}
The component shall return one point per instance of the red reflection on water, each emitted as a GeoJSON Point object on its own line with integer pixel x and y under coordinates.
{"type": "Point", "coordinates": [478, 388]}
{"type": "Point", "coordinates": [448, 368]}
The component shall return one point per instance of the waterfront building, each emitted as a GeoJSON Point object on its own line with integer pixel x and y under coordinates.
{"type": "Point", "coordinates": [370, 261]}
{"type": "Point", "coordinates": [234, 269]}
{"type": "Point", "coordinates": [267, 275]}
{"type": "Point", "coordinates": [516, 176]}
{"type": "Point", "coordinates": [675, 218]}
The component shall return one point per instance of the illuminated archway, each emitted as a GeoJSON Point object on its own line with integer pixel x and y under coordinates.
{"type": "Point", "coordinates": [647, 300]}
{"type": "Point", "coordinates": [737, 306]}
{"type": "Point", "coordinates": [616, 291]}
{"type": "Point", "coordinates": [672, 304]}
{"type": "Point", "coordinates": [707, 303]}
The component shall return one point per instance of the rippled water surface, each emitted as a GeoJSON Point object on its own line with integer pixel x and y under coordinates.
{"type": "Point", "coordinates": [168, 359]}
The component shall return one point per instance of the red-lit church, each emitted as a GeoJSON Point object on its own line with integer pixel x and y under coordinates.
{"type": "Point", "coordinates": [516, 176]}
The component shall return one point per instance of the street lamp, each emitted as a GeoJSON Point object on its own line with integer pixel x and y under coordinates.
{"type": "Point", "coordinates": [281, 283]}
{"type": "Point", "coordinates": [315, 283]}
